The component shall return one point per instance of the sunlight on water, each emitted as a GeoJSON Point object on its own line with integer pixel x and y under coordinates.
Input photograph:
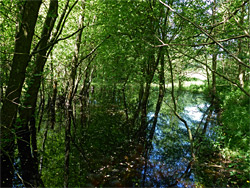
{"type": "Point", "coordinates": [194, 112]}
{"type": "Point", "coordinates": [163, 159]}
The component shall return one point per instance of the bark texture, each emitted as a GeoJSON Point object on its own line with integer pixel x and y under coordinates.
{"type": "Point", "coordinates": [27, 146]}
{"type": "Point", "coordinates": [14, 87]}
{"type": "Point", "coordinates": [72, 91]}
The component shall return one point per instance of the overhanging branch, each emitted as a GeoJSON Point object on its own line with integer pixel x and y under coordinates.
{"type": "Point", "coordinates": [208, 35]}
{"type": "Point", "coordinates": [92, 51]}
{"type": "Point", "coordinates": [220, 75]}
{"type": "Point", "coordinates": [53, 43]}
{"type": "Point", "coordinates": [201, 44]}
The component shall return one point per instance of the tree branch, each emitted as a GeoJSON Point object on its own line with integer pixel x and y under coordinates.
{"type": "Point", "coordinates": [175, 109]}
{"type": "Point", "coordinates": [208, 35]}
{"type": "Point", "coordinates": [51, 44]}
{"type": "Point", "coordinates": [222, 76]}
{"type": "Point", "coordinates": [92, 51]}
{"type": "Point", "coordinates": [201, 44]}
{"type": "Point", "coordinates": [232, 14]}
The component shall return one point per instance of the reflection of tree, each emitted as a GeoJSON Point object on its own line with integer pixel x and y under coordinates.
{"type": "Point", "coordinates": [175, 108]}
{"type": "Point", "coordinates": [169, 160]}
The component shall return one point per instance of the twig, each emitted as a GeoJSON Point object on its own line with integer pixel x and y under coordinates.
{"type": "Point", "coordinates": [208, 35]}
{"type": "Point", "coordinates": [92, 51]}
{"type": "Point", "coordinates": [201, 44]}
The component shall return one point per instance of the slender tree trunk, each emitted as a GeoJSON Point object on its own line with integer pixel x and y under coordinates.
{"type": "Point", "coordinates": [214, 67]}
{"type": "Point", "coordinates": [124, 98]}
{"type": "Point", "coordinates": [150, 71]}
{"type": "Point", "coordinates": [208, 80]}
{"type": "Point", "coordinates": [144, 110]}
{"type": "Point", "coordinates": [12, 96]}
{"type": "Point", "coordinates": [175, 109]}
{"type": "Point", "coordinates": [43, 149]}
{"type": "Point", "coordinates": [41, 112]}
{"type": "Point", "coordinates": [241, 76]}
{"type": "Point", "coordinates": [157, 110]}
{"type": "Point", "coordinates": [53, 105]}
{"type": "Point", "coordinates": [67, 142]}
{"type": "Point", "coordinates": [215, 100]}
{"type": "Point", "coordinates": [27, 130]}
{"type": "Point", "coordinates": [137, 111]}
{"type": "Point", "coordinates": [241, 68]}
{"type": "Point", "coordinates": [70, 97]}
{"type": "Point", "coordinates": [160, 98]}
{"type": "Point", "coordinates": [84, 99]}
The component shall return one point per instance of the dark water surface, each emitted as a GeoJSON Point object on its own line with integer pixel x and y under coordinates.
{"type": "Point", "coordinates": [107, 160]}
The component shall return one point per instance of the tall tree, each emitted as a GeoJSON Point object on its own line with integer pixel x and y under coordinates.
{"type": "Point", "coordinates": [71, 94]}
{"type": "Point", "coordinates": [214, 60]}
{"type": "Point", "coordinates": [11, 101]}
{"type": "Point", "coordinates": [26, 141]}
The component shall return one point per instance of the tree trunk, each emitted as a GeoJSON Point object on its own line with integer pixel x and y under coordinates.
{"type": "Point", "coordinates": [137, 111]}
{"type": "Point", "coordinates": [160, 98]}
{"type": "Point", "coordinates": [124, 97]}
{"type": "Point", "coordinates": [241, 68]}
{"type": "Point", "coordinates": [14, 88]}
{"type": "Point", "coordinates": [43, 149]}
{"type": "Point", "coordinates": [214, 100]}
{"type": "Point", "coordinates": [53, 105]}
{"type": "Point", "coordinates": [70, 97]}
{"type": "Point", "coordinates": [84, 94]}
{"type": "Point", "coordinates": [41, 106]}
{"type": "Point", "coordinates": [157, 110]}
{"type": "Point", "coordinates": [175, 109]}
{"type": "Point", "coordinates": [144, 104]}
{"type": "Point", "coordinates": [27, 130]}
{"type": "Point", "coordinates": [150, 72]}
{"type": "Point", "coordinates": [214, 67]}
{"type": "Point", "coordinates": [207, 72]}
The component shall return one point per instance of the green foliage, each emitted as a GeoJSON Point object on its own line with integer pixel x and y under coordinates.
{"type": "Point", "coordinates": [230, 150]}
{"type": "Point", "coordinates": [120, 67]}
{"type": "Point", "coordinates": [9, 16]}
{"type": "Point", "coordinates": [53, 165]}
{"type": "Point", "coordinates": [236, 120]}
{"type": "Point", "coordinates": [236, 135]}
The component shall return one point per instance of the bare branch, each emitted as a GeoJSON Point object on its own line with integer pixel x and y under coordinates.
{"type": "Point", "coordinates": [59, 30]}
{"type": "Point", "coordinates": [175, 109]}
{"type": "Point", "coordinates": [51, 44]}
{"type": "Point", "coordinates": [221, 75]}
{"type": "Point", "coordinates": [92, 51]}
{"type": "Point", "coordinates": [232, 14]}
{"type": "Point", "coordinates": [208, 35]}
{"type": "Point", "coordinates": [201, 44]}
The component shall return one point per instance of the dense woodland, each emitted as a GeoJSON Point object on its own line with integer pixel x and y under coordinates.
{"type": "Point", "coordinates": [96, 93]}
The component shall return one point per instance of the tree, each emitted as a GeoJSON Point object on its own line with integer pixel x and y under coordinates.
{"type": "Point", "coordinates": [27, 130]}
{"type": "Point", "coordinates": [11, 101]}
{"type": "Point", "coordinates": [112, 103]}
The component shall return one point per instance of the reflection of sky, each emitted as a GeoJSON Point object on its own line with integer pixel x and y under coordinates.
{"type": "Point", "coordinates": [193, 115]}
{"type": "Point", "coordinates": [194, 112]}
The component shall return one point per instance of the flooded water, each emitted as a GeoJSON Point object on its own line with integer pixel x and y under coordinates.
{"type": "Point", "coordinates": [106, 156]}
{"type": "Point", "coordinates": [169, 162]}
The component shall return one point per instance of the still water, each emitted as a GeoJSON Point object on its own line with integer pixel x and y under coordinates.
{"type": "Point", "coordinates": [169, 160]}
{"type": "Point", "coordinates": [107, 162]}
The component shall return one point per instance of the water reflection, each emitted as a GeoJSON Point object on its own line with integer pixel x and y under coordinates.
{"type": "Point", "coordinates": [194, 112]}
{"type": "Point", "coordinates": [169, 162]}
{"type": "Point", "coordinates": [109, 161]}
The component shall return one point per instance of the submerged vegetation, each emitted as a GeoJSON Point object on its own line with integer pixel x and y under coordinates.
{"type": "Point", "coordinates": [125, 93]}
